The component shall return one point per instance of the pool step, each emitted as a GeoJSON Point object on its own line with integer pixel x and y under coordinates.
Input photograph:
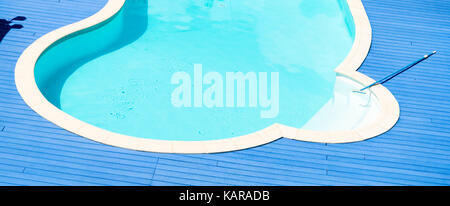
{"type": "Point", "coordinates": [346, 110]}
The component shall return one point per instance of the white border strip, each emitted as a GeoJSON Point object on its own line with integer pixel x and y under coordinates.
{"type": "Point", "coordinates": [26, 85]}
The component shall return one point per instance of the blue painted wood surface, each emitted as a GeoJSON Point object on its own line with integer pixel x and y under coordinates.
{"type": "Point", "coordinates": [416, 151]}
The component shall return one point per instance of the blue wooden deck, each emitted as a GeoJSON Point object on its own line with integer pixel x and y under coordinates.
{"type": "Point", "coordinates": [415, 152]}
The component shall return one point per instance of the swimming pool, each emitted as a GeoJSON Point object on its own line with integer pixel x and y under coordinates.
{"type": "Point", "coordinates": [169, 73]}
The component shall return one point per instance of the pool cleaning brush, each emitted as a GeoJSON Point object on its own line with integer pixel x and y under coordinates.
{"type": "Point", "coordinates": [390, 76]}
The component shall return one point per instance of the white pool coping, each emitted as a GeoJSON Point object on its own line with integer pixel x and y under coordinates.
{"type": "Point", "coordinates": [28, 89]}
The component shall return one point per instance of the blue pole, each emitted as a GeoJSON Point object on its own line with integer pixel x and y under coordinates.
{"type": "Point", "coordinates": [390, 76]}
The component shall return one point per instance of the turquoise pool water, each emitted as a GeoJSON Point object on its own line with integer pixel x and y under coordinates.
{"type": "Point", "coordinates": [117, 75]}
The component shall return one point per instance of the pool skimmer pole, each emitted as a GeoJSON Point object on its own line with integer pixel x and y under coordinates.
{"type": "Point", "coordinates": [390, 76]}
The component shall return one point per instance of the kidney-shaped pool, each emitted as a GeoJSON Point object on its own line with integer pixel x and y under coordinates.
{"type": "Point", "coordinates": [205, 70]}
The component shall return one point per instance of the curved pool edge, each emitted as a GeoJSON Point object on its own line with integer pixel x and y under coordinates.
{"type": "Point", "coordinates": [28, 89]}
{"type": "Point", "coordinates": [389, 107]}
